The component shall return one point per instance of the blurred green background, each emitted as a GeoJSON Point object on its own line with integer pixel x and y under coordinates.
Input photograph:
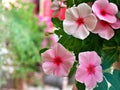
{"type": "Point", "coordinates": [20, 40]}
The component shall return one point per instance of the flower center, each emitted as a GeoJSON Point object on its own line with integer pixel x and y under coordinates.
{"type": "Point", "coordinates": [91, 69]}
{"type": "Point", "coordinates": [57, 60]}
{"type": "Point", "coordinates": [103, 12]}
{"type": "Point", "coordinates": [80, 21]}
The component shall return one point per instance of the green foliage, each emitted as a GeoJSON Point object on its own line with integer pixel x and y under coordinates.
{"type": "Point", "coordinates": [70, 3]}
{"type": "Point", "coordinates": [102, 86]}
{"type": "Point", "coordinates": [109, 57]}
{"type": "Point", "coordinates": [73, 69]}
{"type": "Point", "coordinates": [77, 2]}
{"type": "Point", "coordinates": [57, 23]}
{"type": "Point", "coordinates": [23, 36]}
{"type": "Point", "coordinates": [118, 15]}
{"type": "Point", "coordinates": [25, 40]}
{"type": "Point", "coordinates": [80, 86]}
{"type": "Point", "coordinates": [43, 50]}
{"type": "Point", "coordinates": [113, 79]}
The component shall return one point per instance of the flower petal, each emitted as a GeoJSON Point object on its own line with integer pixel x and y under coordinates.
{"type": "Point", "coordinates": [99, 74]}
{"type": "Point", "coordinates": [96, 60]}
{"type": "Point", "coordinates": [49, 68]}
{"type": "Point", "coordinates": [64, 70]}
{"type": "Point", "coordinates": [104, 30]}
{"type": "Point", "coordinates": [62, 13]}
{"type": "Point", "coordinates": [86, 10]}
{"type": "Point", "coordinates": [90, 82]}
{"type": "Point", "coordinates": [112, 9]}
{"type": "Point", "coordinates": [48, 55]}
{"type": "Point", "coordinates": [115, 25]}
{"type": "Point", "coordinates": [67, 57]}
{"type": "Point", "coordinates": [55, 5]}
{"type": "Point", "coordinates": [80, 74]}
{"type": "Point", "coordinates": [81, 32]}
{"type": "Point", "coordinates": [108, 18]}
{"type": "Point", "coordinates": [84, 58]}
{"type": "Point", "coordinates": [69, 26]}
{"type": "Point", "coordinates": [98, 5]}
{"type": "Point", "coordinates": [90, 22]}
{"type": "Point", "coordinates": [71, 13]}
{"type": "Point", "coordinates": [61, 72]}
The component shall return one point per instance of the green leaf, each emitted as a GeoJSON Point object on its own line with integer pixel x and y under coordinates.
{"type": "Point", "coordinates": [77, 2]}
{"type": "Point", "coordinates": [80, 86]}
{"type": "Point", "coordinates": [92, 43]}
{"type": "Point", "coordinates": [102, 86]}
{"type": "Point", "coordinates": [60, 32]}
{"type": "Point", "coordinates": [73, 69]}
{"type": "Point", "coordinates": [57, 23]}
{"type": "Point", "coordinates": [118, 15]}
{"type": "Point", "coordinates": [113, 79]}
{"type": "Point", "coordinates": [116, 37]}
{"type": "Point", "coordinates": [109, 57]}
{"type": "Point", "coordinates": [43, 50]}
{"type": "Point", "coordinates": [70, 3]}
{"type": "Point", "coordinates": [71, 43]}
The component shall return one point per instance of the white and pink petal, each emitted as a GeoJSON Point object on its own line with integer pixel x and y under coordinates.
{"type": "Point", "coordinates": [81, 32]}
{"type": "Point", "coordinates": [84, 10]}
{"type": "Point", "coordinates": [69, 26]}
{"type": "Point", "coordinates": [90, 22]}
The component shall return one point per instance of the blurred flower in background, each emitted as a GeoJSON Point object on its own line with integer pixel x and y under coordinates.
{"type": "Point", "coordinates": [8, 4]}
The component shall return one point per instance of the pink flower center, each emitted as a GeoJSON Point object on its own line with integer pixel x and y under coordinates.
{"type": "Point", "coordinates": [80, 21]}
{"type": "Point", "coordinates": [103, 12]}
{"type": "Point", "coordinates": [57, 60]}
{"type": "Point", "coordinates": [91, 69]}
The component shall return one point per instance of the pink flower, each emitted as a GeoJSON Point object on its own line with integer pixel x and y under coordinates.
{"type": "Point", "coordinates": [79, 21]}
{"type": "Point", "coordinates": [47, 8]}
{"type": "Point", "coordinates": [44, 43]}
{"type": "Point", "coordinates": [105, 11]}
{"type": "Point", "coordinates": [89, 70]}
{"type": "Point", "coordinates": [57, 61]}
{"type": "Point", "coordinates": [59, 9]}
{"type": "Point", "coordinates": [105, 29]}
{"type": "Point", "coordinates": [62, 13]}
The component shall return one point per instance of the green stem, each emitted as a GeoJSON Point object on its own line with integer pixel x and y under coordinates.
{"type": "Point", "coordinates": [107, 48]}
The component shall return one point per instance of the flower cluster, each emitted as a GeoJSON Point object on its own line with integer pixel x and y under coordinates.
{"type": "Point", "coordinates": [100, 19]}
{"type": "Point", "coordinates": [58, 61]}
